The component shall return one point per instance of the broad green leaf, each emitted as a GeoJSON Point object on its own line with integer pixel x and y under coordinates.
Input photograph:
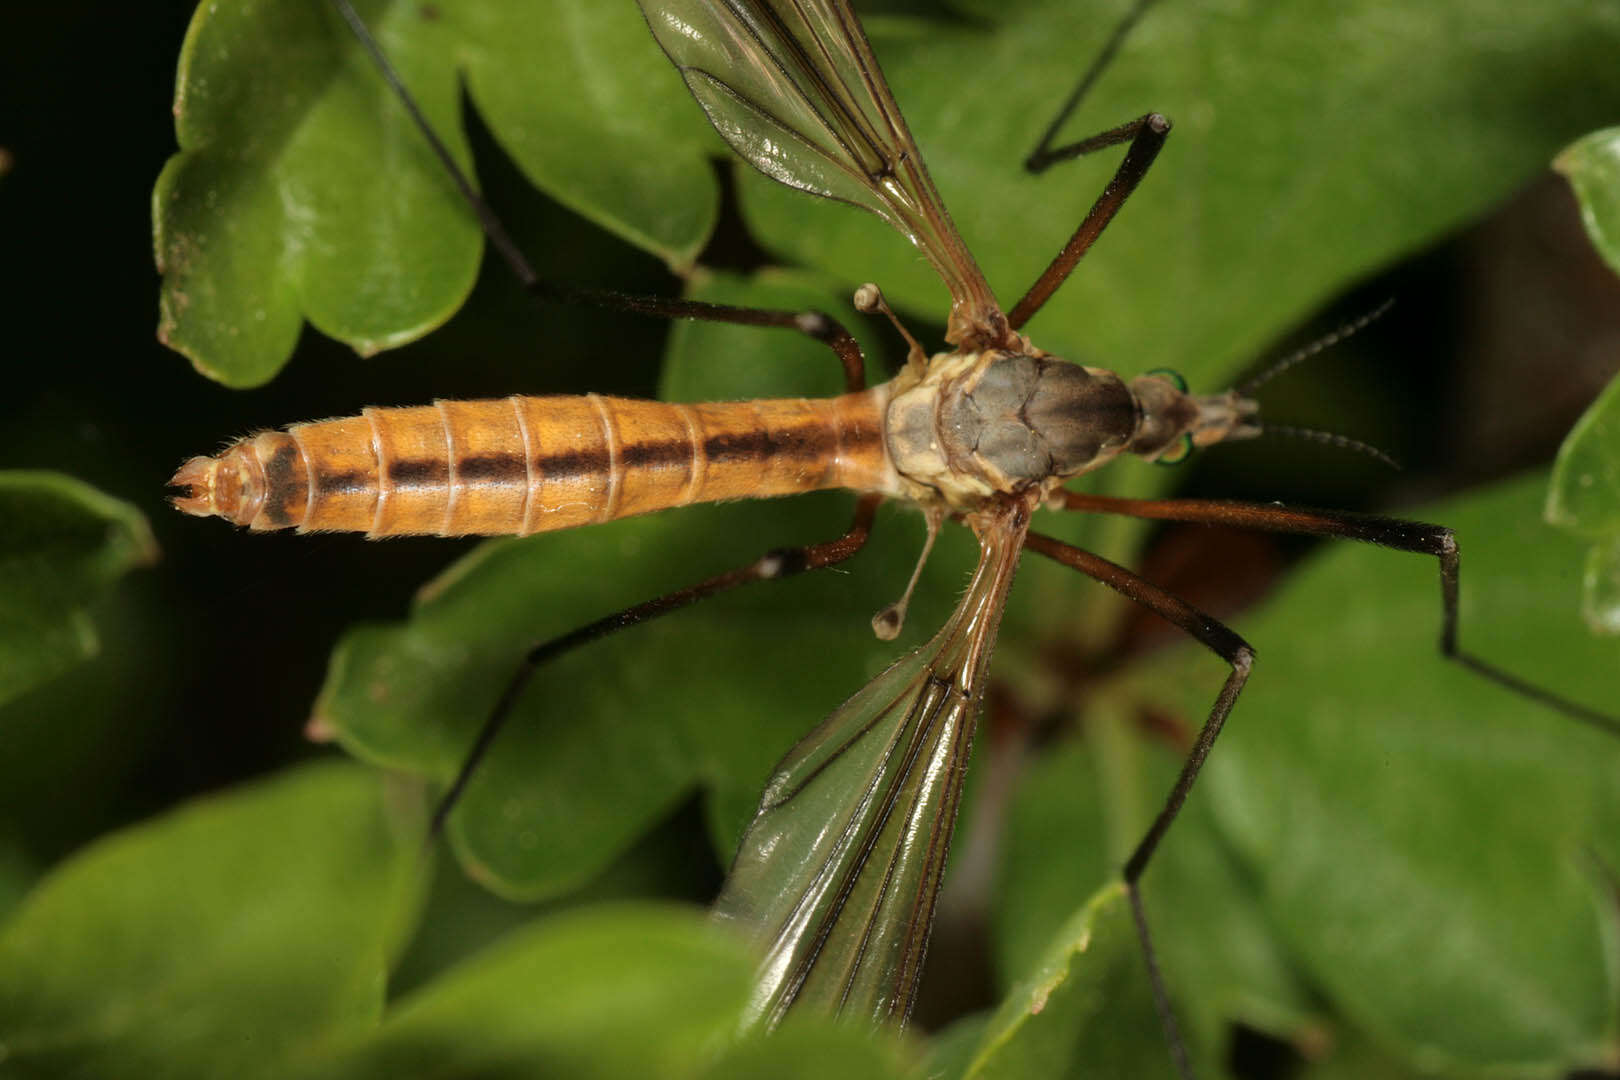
{"type": "Point", "coordinates": [1584, 497]}
{"type": "Point", "coordinates": [1354, 1058]}
{"type": "Point", "coordinates": [811, 1048]}
{"type": "Point", "coordinates": [63, 544]}
{"type": "Point", "coordinates": [950, 1050]}
{"type": "Point", "coordinates": [225, 938]}
{"type": "Point", "coordinates": [1592, 165]}
{"type": "Point", "coordinates": [1311, 146]}
{"type": "Point", "coordinates": [560, 797]}
{"type": "Point", "coordinates": [1063, 1012]}
{"type": "Point", "coordinates": [1248, 220]}
{"type": "Point", "coordinates": [1434, 851]}
{"type": "Point", "coordinates": [301, 191]}
{"type": "Point", "coordinates": [1077, 814]}
{"type": "Point", "coordinates": [1297, 161]}
{"type": "Point", "coordinates": [558, 999]}
{"type": "Point", "coordinates": [1584, 500]}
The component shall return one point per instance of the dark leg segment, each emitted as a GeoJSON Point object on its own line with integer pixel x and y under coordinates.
{"type": "Point", "coordinates": [1044, 156]}
{"type": "Point", "coordinates": [1146, 135]}
{"type": "Point", "coordinates": [781, 563]}
{"type": "Point", "coordinates": [1394, 533]}
{"type": "Point", "coordinates": [814, 324]}
{"type": "Point", "coordinates": [1229, 647]}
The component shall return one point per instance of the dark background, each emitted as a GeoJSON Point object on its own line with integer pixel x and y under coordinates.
{"type": "Point", "coordinates": [211, 659]}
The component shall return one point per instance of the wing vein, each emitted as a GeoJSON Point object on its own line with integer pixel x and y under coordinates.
{"type": "Point", "coordinates": [838, 874]}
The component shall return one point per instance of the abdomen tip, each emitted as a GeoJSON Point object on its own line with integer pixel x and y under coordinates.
{"type": "Point", "coordinates": [192, 487]}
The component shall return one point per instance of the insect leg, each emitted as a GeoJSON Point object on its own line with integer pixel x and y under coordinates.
{"type": "Point", "coordinates": [1229, 647]}
{"type": "Point", "coordinates": [1045, 155]}
{"type": "Point", "coordinates": [814, 324]}
{"type": "Point", "coordinates": [1146, 135]}
{"type": "Point", "coordinates": [781, 563]}
{"type": "Point", "coordinates": [1395, 533]}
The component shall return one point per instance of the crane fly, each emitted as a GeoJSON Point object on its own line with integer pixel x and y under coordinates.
{"type": "Point", "coordinates": [837, 875]}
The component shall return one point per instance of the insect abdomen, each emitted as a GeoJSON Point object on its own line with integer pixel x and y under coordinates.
{"type": "Point", "coordinates": [530, 464]}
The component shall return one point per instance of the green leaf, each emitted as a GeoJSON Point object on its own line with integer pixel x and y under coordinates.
{"type": "Point", "coordinates": [1592, 165]}
{"type": "Point", "coordinates": [558, 993]}
{"type": "Point", "coordinates": [559, 797]}
{"type": "Point", "coordinates": [1310, 147]}
{"type": "Point", "coordinates": [302, 192]}
{"type": "Point", "coordinates": [556, 999]}
{"type": "Point", "coordinates": [1062, 1012]}
{"type": "Point", "coordinates": [811, 1048]}
{"type": "Point", "coordinates": [1356, 1059]}
{"type": "Point", "coordinates": [1584, 497]}
{"type": "Point", "coordinates": [1295, 147]}
{"type": "Point", "coordinates": [1078, 812]}
{"type": "Point", "coordinates": [225, 938]}
{"type": "Point", "coordinates": [1249, 219]}
{"type": "Point", "coordinates": [1436, 853]}
{"type": "Point", "coordinates": [1584, 500]}
{"type": "Point", "coordinates": [64, 544]}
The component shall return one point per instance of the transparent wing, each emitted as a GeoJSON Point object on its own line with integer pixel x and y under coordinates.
{"type": "Point", "coordinates": [793, 86]}
{"type": "Point", "coordinates": [837, 874]}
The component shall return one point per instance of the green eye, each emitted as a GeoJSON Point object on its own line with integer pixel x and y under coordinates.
{"type": "Point", "coordinates": [1178, 453]}
{"type": "Point", "coordinates": [1171, 376]}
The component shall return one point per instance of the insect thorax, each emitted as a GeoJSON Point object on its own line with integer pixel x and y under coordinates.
{"type": "Point", "coordinates": [998, 421]}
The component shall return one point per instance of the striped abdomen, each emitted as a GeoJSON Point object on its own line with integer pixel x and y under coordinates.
{"type": "Point", "coordinates": [529, 464]}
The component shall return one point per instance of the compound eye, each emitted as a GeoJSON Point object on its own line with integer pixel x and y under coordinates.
{"type": "Point", "coordinates": [1175, 454]}
{"type": "Point", "coordinates": [1171, 376]}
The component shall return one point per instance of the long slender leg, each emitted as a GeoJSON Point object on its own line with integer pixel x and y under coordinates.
{"type": "Point", "coordinates": [1395, 533]}
{"type": "Point", "coordinates": [1146, 135]}
{"type": "Point", "coordinates": [1229, 647]}
{"type": "Point", "coordinates": [781, 563]}
{"type": "Point", "coordinates": [814, 324]}
{"type": "Point", "coordinates": [1045, 155]}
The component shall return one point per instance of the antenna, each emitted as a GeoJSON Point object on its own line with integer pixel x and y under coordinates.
{"type": "Point", "coordinates": [1330, 438]}
{"type": "Point", "coordinates": [1321, 344]}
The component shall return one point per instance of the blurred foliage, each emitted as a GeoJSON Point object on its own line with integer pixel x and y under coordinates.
{"type": "Point", "coordinates": [1584, 500]}
{"type": "Point", "coordinates": [1592, 164]}
{"type": "Point", "coordinates": [64, 544]}
{"type": "Point", "coordinates": [1586, 485]}
{"type": "Point", "coordinates": [1390, 867]}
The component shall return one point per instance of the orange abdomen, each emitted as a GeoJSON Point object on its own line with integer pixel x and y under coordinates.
{"type": "Point", "coordinates": [520, 465]}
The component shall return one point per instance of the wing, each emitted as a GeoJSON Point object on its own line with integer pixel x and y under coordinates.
{"type": "Point", "coordinates": [837, 874]}
{"type": "Point", "coordinates": [793, 86]}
